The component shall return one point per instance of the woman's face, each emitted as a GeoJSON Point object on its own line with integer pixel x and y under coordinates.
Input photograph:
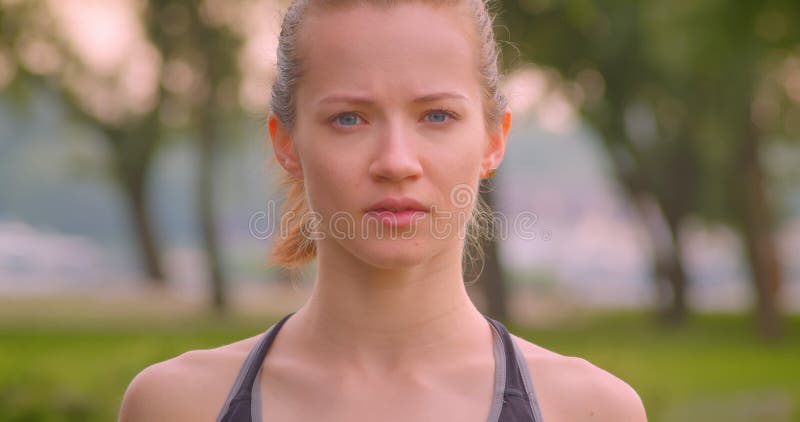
{"type": "Point", "coordinates": [389, 107]}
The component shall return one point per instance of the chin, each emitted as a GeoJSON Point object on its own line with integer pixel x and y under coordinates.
{"type": "Point", "coordinates": [392, 254]}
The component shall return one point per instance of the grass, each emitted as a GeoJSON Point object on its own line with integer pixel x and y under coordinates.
{"type": "Point", "coordinates": [713, 369]}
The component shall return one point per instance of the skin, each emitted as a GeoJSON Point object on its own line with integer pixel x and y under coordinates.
{"type": "Point", "coordinates": [389, 332]}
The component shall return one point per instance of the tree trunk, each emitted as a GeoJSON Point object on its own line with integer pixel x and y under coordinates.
{"type": "Point", "coordinates": [675, 274]}
{"type": "Point", "coordinates": [660, 223]}
{"type": "Point", "coordinates": [132, 150]}
{"type": "Point", "coordinates": [491, 278]}
{"type": "Point", "coordinates": [667, 261]}
{"type": "Point", "coordinates": [205, 208]}
{"type": "Point", "coordinates": [133, 187]}
{"type": "Point", "coordinates": [760, 246]}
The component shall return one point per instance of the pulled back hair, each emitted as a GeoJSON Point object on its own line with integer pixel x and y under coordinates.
{"type": "Point", "coordinates": [296, 246]}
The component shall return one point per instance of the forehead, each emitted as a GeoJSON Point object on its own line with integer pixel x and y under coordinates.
{"type": "Point", "coordinates": [410, 48]}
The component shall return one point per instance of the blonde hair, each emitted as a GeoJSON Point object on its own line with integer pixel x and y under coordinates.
{"type": "Point", "coordinates": [295, 247]}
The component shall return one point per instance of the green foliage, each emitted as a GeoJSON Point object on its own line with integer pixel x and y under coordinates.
{"type": "Point", "coordinates": [688, 95]}
{"type": "Point", "coordinates": [697, 68]}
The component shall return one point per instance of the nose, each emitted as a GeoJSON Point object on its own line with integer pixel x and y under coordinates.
{"type": "Point", "coordinates": [395, 156]}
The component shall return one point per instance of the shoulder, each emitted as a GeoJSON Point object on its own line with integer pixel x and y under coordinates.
{"type": "Point", "coordinates": [573, 389]}
{"type": "Point", "coordinates": [192, 386]}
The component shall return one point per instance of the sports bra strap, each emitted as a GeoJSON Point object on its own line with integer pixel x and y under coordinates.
{"type": "Point", "coordinates": [519, 399]}
{"type": "Point", "coordinates": [519, 402]}
{"type": "Point", "coordinates": [237, 407]}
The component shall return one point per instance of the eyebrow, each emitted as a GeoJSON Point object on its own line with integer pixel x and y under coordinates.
{"type": "Point", "coordinates": [354, 99]}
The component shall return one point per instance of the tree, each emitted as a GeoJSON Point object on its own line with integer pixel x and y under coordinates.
{"type": "Point", "coordinates": [200, 49]}
{"type": "Point", "coordinates": [602, 50]}
{"type": "Point", "coordinates": [97, 90]}
{"type": "Point", "coordinates": [680, 83]}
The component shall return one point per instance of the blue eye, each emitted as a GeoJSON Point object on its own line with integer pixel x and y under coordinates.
{"type": "Point", "coordinates": [439, 116]}
{"type": "Point", "coordinates": [347, 119]}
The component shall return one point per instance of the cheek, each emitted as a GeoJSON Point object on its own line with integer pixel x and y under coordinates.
{"type": "Point", "coordinates": [460, 160]}
{"type": "Point", "coordinates": [456, 177]}
{"type": "Point", "coordinates": [331, 177]}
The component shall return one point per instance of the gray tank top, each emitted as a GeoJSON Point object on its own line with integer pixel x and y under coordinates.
{"type": "Point", "coordinates": [514, 396]}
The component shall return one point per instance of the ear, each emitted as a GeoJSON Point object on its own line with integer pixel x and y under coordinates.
{"type": "Point", "coordinates": [497, 145]}
{"type": "Point", "coordinates": [283, 146]}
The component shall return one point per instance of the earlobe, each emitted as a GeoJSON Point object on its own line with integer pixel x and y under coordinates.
{"type": "Point", "coordinates": [497, 147]}
{"type": "Point", "coordinates": [283, 146]}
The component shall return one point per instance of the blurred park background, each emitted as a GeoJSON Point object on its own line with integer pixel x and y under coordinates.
{"type": "Point", "coordinates": [657, 143]}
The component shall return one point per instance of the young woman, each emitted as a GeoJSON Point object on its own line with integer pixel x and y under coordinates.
{"type": "Point", "coordinates": [385, 116]}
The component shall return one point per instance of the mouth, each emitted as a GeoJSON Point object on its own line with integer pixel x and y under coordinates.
{"type": "Point", "coordinates": [397, 205]}
{"type": "Point", "coordinates": [395, 210]}
{"type": "Point", "coordinates": [398, 212]}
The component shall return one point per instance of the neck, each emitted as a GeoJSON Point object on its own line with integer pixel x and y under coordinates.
{"type": "Point", "coordinates": [379, 320]}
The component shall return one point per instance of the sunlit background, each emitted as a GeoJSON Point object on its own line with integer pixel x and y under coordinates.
{"type": "Point", "coordinates": [656, 143]}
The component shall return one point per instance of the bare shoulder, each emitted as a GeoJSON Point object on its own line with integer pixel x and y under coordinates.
{"type": "Point", "coordinates": [192, 386]}
{"type": "Point", "coordinates": [573, 389]}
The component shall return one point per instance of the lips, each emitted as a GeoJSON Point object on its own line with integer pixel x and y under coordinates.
{"type": "Point", "coordinates": [399, 204]}
{"type": "Point", "coordinates": [402, 212]}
